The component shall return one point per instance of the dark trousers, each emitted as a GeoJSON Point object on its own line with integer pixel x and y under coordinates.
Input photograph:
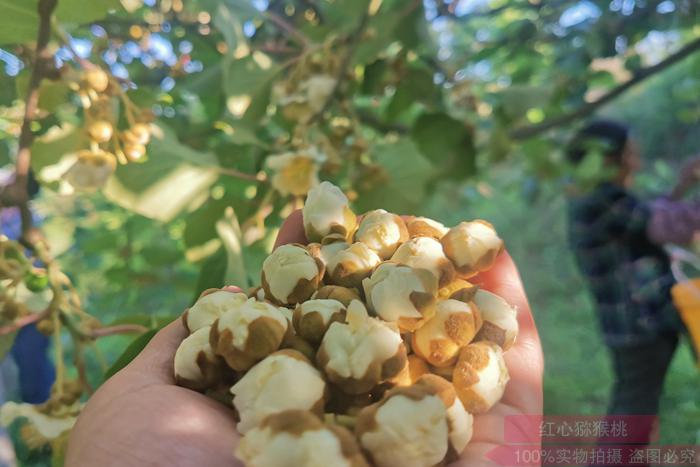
{"type": "Point", "coordinates": [640, 371]}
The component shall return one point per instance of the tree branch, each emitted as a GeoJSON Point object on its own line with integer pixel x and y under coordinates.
{"type": "Point", "coordinates": [588, 108]}
{"type": "Point", "coordinates": [17, 194]}
{"type": "Point", "coordinates": [287, 27]}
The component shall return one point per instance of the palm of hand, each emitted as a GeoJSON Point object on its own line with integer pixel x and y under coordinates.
{"type": "Point", "coordinates": [140, 417]}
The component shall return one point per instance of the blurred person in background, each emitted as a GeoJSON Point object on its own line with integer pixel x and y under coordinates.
{"type": "Point", "coordinates": [617, 240]}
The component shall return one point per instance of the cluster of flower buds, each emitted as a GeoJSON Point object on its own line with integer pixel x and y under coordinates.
{"type": "Point", "coordinates": [368, 347]}
{"type": "Point", "coordinates": [309, 85]}
{"type": "Point", "coordinates": [108, 145]}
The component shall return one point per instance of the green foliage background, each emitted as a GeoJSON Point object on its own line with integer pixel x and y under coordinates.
{"type": "Point", "coordinates": [433, 91]}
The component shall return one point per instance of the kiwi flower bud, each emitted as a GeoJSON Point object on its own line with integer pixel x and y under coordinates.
{"type": "Point", "coordinates": [426, 253]}
{"type": "Point", "coordinates": [361, 353]}
{"type": "Point", "coordinates": [349, 266]}
{"type": "Point", "coordinates": [210, 306]}
{"type": "Point", "coordinates": [472, 247]}
{"type": "Point", "coordinates": [245, 335]}
{"type": "Point", "coordinates": [313, 317]}
{"type": "Point", "coordinates": [415, 426]}
{"type": "Point", "coordinates": [96, 78]}
{"type": "Point", "coordinates": [326, 251]}
{"type": "Point", "coordinates": [327, 212]}
{"type": "Point", "coordinates": [295, 173]}
{"type": "Point", "coordinates": [298, 438]}
{"type": "Point", "coordinates": [401, 294]}
{"type": "Point", "coordinates": [257, 292]}
{"type": "Point", "coordinates": [91, 170]}
{"type": "Point", "coordinates": [344, 295]}
{"type": "Point", "coordinates": [480, 376]}
{"type": "Point", "coordinates": [425, 227]}
{"type": "Point", "coordinates": [500, 319]}
{"type": "Point", "coordinates": [458, 289]}
{"type": "Point", "coordinates": [415, 368]}
{"type": "Point", "coordinates": [291, 275]}
{"type": "Point", "coordinates": [454, 326]}
{"type": "Point", "coordinates": [285, 380]}
{"type": "Point", "coordinates": [196, 366]}
{"type": "Point", "coordinates": [382, 231]}
{"type": "Point", "coordinates": [100, 131]}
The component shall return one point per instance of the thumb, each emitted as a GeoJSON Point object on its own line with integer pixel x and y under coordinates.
{"type": "Point", "coordinates": [155, 362]}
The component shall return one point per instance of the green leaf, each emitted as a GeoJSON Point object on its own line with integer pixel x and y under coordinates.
{"type": "Point", "coordinates": [518, 99]}
{"type": "Point", "coordinates": [374, 77]}
{"type": "Point", "coordinates": [212, 274]}
{"type": "Point", "coordinates": [242, 10]}
{"type": "Point", "coordinates": [230, 234]}
{"type": "Point", "coordinates": [172, 177]}
{"type": "Point", "coordinates": [81, 11]}
{"type": "Point", "coordinates": [229, 16]}
{"type": "Point", "coordinates": [416, 86]}
{"type": "Point", "coordinates": [50, 153]}
{"type": "Point", "coordinates": [53, 94]}
{"type": "Point", "coordinates": [151, 321]}
{"type": "Point", "coordinates": [8, 92]}
{"type": "Point", "coordinates": [413, 28]}
{"type": "Point", "coordinates": [200, 224]}
{"type": "Point", "coordinates": [131, 351]}
{"type": "Point", "coordinates": [246, 80]}
{"type": "Point", "coordinates": [408, 173]}
{"type": "Point", "coordinates": [447, 142]}
{"type": "Point", "coordinates": [19, 21]}
{"type": "Point", "coordinates": [381, 30]}
{"type": "Point", "coordinates": [342, 15]}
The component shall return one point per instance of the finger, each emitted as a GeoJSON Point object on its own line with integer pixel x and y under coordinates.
{"type": "Point", "coordinates": [292, 230]}
{"type": "Point", "coordinates": [524, 360]}
{"type": "Point", "coordinates": [155, 362]}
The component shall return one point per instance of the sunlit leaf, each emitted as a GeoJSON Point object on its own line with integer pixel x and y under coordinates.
{"type": "Point", "coordinates": [230, 234]}
{"type": "Point", "coordinates": [81, 11]}
{"type": "Point", "coordinates": [246, 81]}
{"type": "Point", "coordinates": [51, 152]}
{"type": "Point", "coordinates": [407, 173]}
{"type": "Point", "coordinates": [173, 177]}
{"type": "Point", "coordinates": [19, 21]}
{"type": "Point", "coordinates": [518, 99]}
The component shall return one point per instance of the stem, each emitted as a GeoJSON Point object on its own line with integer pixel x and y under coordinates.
{"type": "Point", "coordinates": [128, 105]}
{"type": "Point", "coordinates": [587, 109]}
{"type": "Point", "coordinates": [58, 349]}
{"type": "Point", "coordinates": [79, 362]}
{"type": "Point", "coordinates": [26, 138]}
{"type": "Point", "coordinates": [65, 39]}
{"type": "Point", "coordinates": [238, 174]}
{"type": "Point", "coordinates": [100, 357]}
{"type": "Point", "coordinates": [24, 321]}
{"type": "Point", "coordinates": [288, 28]}
{"type": "Point", "coordinates": [118, 329]}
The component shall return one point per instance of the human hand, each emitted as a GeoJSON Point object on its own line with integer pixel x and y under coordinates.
{"type": "Point", "coordinates": [140, 417]}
